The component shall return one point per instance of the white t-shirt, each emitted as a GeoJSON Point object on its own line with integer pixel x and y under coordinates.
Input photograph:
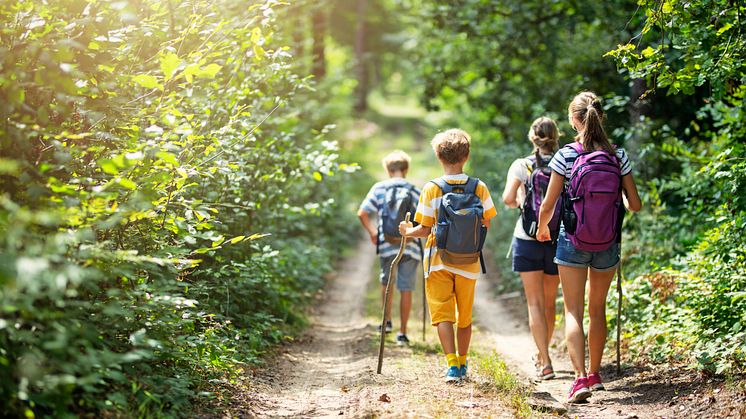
{"type": "Point", "coordinates": [521, 169]}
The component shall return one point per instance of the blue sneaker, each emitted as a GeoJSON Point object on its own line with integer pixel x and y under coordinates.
{"type": "Point", "coordinates": [463, 371]}
{"type": "Point", "coordinates": [453, 374]}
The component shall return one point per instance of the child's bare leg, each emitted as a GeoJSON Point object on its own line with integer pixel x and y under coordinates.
{"type": "Point", "coordinates": [405, 306]}
{"type": "Point", "coordinates": [533, 285]}
{"type": "Point", "coordinates": [598, 289]}
{"type": "Point", "coordinates": [445, 334]}
{"type": "Point", "coordinates": [551, 282]}
{"type": "Point", "coordinates": [463, 336]}
{"type": "Point", "coordinates": [573, 292]}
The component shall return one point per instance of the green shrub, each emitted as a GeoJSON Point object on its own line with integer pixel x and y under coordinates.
{"type": "Point", "coordinates": [169, 202]}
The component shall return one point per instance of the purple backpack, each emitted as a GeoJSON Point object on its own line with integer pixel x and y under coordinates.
{"type": "Point", "coordinates": [536, 189]}
{"type": "Point", "coordinates": [593, 200]}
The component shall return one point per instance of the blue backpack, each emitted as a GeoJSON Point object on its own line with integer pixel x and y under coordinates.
{"type": "Point", "coordinates": [460, 233]}
{"type": "Point", "coordinates": [397, 201]}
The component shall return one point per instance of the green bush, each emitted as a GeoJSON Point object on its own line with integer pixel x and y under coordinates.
{"type": "Point", "coordinates": [166, 206]}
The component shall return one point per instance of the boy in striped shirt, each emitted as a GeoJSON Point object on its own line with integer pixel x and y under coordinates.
{"type": "Point", "coordinates": [449, 287]}
{"type": "Point", "coordinates": [397, 166]}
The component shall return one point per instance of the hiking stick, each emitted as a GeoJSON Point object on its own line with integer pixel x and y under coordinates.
{"type": "Point", "coordinates": [392, 275]}
{"type": "Point", "coordinates": [619, 314]}
{"type": "Point", "coordinates": [424, 307]}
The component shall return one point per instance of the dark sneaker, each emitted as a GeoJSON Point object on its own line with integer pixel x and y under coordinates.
{"type": "Point", "coordinates": [402, 339]}
{"type": "Point", "coordinates": [579, 390]}
{"type": "Point", "coordinates": [594, 382]}
{"type": "Point", "coordinates": [453, 374]}
{"type": "Point", "coordinates": [389, 327]}
{"type": "Point", "coordinates": [464, 368]}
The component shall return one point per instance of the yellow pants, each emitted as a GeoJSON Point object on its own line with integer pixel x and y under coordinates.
{"type": "Point", "coordinates": [450, 297]}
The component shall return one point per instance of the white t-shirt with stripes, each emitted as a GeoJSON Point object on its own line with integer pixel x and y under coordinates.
{"type": "Point", "coordinates": [564, 158]}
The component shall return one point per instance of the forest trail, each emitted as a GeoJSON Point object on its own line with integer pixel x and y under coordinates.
{"type": "Point", "coordinates": [513, 341]}
{"type": "Point", "coordinates": [330, 370]}
{"type": "Point", "coordinates": [637, 393]}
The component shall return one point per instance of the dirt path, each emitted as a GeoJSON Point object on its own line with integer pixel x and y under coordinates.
{"type": "Point", "coordinates": [638, 393]}
{"type": "Point", "coordinates": [330, 371]}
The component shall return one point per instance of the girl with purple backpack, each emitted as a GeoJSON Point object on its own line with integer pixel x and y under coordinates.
{"type": "Point", "coordinates": [526, 186]}
{"type": "Point", "coordinates": [598, 184]}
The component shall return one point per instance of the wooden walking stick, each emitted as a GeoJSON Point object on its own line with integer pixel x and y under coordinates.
{"type": "Point", "coordinates": [392, 275]}
{"type": "Point", "coordinates": [619, 314]}
{"type": "Point", "coordinates": [424, 307]}
{"type": "Point", "coordinates": [424, 295]}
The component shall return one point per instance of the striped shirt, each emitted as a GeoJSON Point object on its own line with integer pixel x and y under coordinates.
{"type": "Point", "coordinates": [427, 214]}
{"type": "Point", "coordinates": [564, 158]}
{"type": "Point", "coordinates": [373, 204]}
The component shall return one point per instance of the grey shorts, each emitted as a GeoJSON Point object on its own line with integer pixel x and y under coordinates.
{"type": "Point", "coordinates": [406, 272]}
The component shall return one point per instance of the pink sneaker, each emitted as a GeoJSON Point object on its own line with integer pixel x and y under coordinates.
{"type": "Point", "coordinates": [594, 382]}
{"type": "Point", "coordinates": [579, 390]}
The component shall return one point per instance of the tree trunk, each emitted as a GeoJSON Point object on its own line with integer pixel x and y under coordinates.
{"type": "Point", "coordinates": [298, 35]}
{"type": "Point", "coordinates": [318, 29]}
{"type": "Point", "coordinates": [639, 105]}
{"type": "Point", "coordinates": [361, 102]}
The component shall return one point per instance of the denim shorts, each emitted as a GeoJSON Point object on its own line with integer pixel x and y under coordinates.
{"type": "Point", "coordinates": [568, 255]}
{"type": "Point", "coordinates": [532, 255]}
{"type": "Point", "coordinates": [406, 272]}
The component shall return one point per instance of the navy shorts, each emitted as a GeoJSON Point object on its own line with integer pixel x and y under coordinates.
{"type": "Point", "coordinates": [406, 272]}
{"type": "Point", "coordinates": [568, 255]}
{"type": "Point", "coordinates": [532, 255]}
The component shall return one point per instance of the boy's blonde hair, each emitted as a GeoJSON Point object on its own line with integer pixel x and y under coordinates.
{"type": "Point", "coordinates": [396, 161]}
{"type": "Point", "coordinates": [452, 146]}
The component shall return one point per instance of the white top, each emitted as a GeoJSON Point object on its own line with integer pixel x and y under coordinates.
{"type": "Point", "coordinates": [521, 169]}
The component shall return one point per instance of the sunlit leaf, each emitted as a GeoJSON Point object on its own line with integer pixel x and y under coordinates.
{"type": "Point", "coordinates": [169, 64]}
{"type": "Point", "coordinates": [147, 81]}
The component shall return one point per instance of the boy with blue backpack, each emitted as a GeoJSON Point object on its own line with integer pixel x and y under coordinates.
{"type": "Point", "coordinates": [390, 200]}
{"type": "Point", "coordinates": [454, 213]}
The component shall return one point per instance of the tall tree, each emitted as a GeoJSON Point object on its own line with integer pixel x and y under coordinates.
{"type": "Point", "coordinates": [361, 61]}
{"type": "Point", "coordinates": [318, 28]}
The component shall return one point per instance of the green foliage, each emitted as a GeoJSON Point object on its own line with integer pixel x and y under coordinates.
{"type": "Point", "coordinates": [690, 44]}
{"type": "Point", "coordinates": [166, 206]}
{"type": "Point", "coordinates": [688, 250]}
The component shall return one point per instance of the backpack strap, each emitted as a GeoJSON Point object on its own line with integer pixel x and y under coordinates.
{"type": "Point", "coordinates": [444, 186]}
{"type": "Point", "coordinates": [576, 146]}
{"type": "Point", "coordinates": [471, 185]}
{"type": "Point", "coordinates": [378, 239]}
